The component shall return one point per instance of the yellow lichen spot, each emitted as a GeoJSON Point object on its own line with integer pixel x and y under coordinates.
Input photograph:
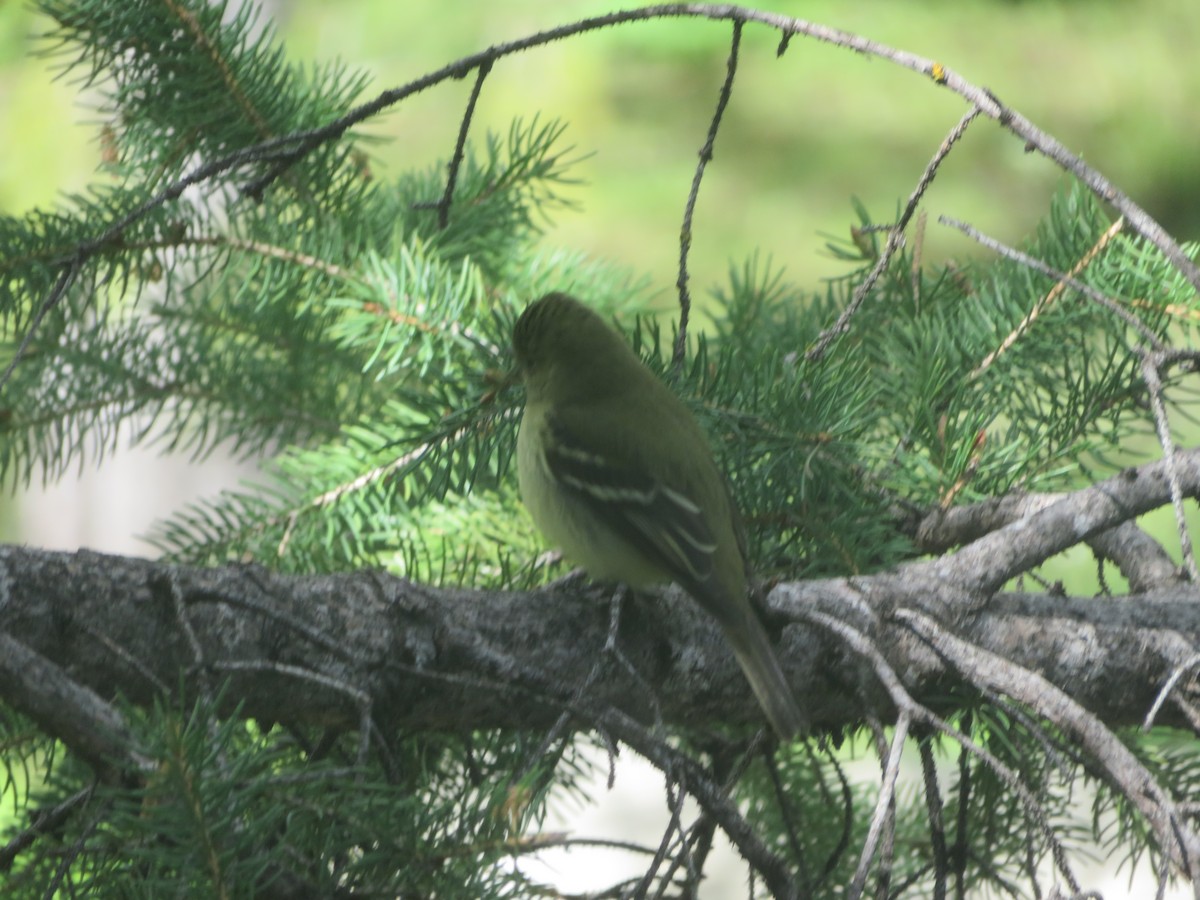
{"type": "Point", "coordinates": [938, 72]}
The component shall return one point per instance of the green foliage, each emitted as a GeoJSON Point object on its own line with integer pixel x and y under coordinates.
{"type": "Point", "coordinates": [232, 810]}
{"type": "Point", "coordinates": [817, 789]}
{"type": "Point", "coordinates": [501, 199]}
{"type": "Point", "coordinates": [177, 325]}
{"type": "Point", "coordinates": [26, 754]}
{"type": "Point", "coordinates": [339, 330]}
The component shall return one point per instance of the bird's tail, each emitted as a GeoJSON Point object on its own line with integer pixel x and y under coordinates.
{"type": "Point", "coordinates": [753, 651]}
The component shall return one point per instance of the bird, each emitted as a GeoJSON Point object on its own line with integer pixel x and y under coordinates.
{"type": "Point", "coordinates": [617, 473]}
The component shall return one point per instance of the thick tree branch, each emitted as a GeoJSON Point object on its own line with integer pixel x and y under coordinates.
{"type": "Point", "coordinates": [366, 647]}
{"type": "Point", "coordinates": [456, 659]}
{"type": "Point", "coordinates": [989, 562]}
{"type": "Point", "coordinates": [72, 712]}
{"type": "Point", "coordinates": [1141, 559]}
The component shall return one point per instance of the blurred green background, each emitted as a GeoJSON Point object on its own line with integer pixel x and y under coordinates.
{"type": "Point", "coordinates": [1115, 81]}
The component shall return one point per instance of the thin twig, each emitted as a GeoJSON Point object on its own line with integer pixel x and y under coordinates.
{"type": "Point", "coordinates": [53, 297]}
{"type": "Point", "coordinates": [1154, 385]}
{"type": "Point", "coordinates": [125, 656]}
{"type": "Point", "coordinates": [560, 724]}
{"type": "Point", "coordinates": [685, 231]}
{"type": "Point", "coordinates": [1048, 298]}
{"type": "Point", "coordinates": [700, 832]}
{"type": "Point", "coordinates": [43, 821]}
{"type": "Point", "coordinates": [674, 828]}
{"type": "Point", "coordinates": [335, 494]}
{"type": "Point", "coordinates": [179, 607]}
{"type": "Point", "coordinates": [1087, 290]}
{"type": "Point", "coordinates": [711, 797]}
{"type": "Point", "coordinates": [460, 146]}
{"type": "Point", "coordinates": [885, 804]}
{"type": "Point", "coordinates": [1180, 670]}
{"type": "Point", "coordinates": [611, 648]}
{"type": "Point", "coordinates": [272, 251]}
{"type": "Point", "coordinates": [895, 238]}
{"type": "Point", "coordinates": [843, 844]}
{"type": "Point", "coordinates": [785, 814]}
{"type": "Point", "coordinates": [966, 779]}
{"type": "Point", "coordinates": [935, 808]}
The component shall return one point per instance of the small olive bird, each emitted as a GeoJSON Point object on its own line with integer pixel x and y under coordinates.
{"type": "Point", "coordinates": [616, 472]}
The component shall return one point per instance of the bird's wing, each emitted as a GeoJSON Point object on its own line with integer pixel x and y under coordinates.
{"type": "Point", "coordinates": [660, 521]}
